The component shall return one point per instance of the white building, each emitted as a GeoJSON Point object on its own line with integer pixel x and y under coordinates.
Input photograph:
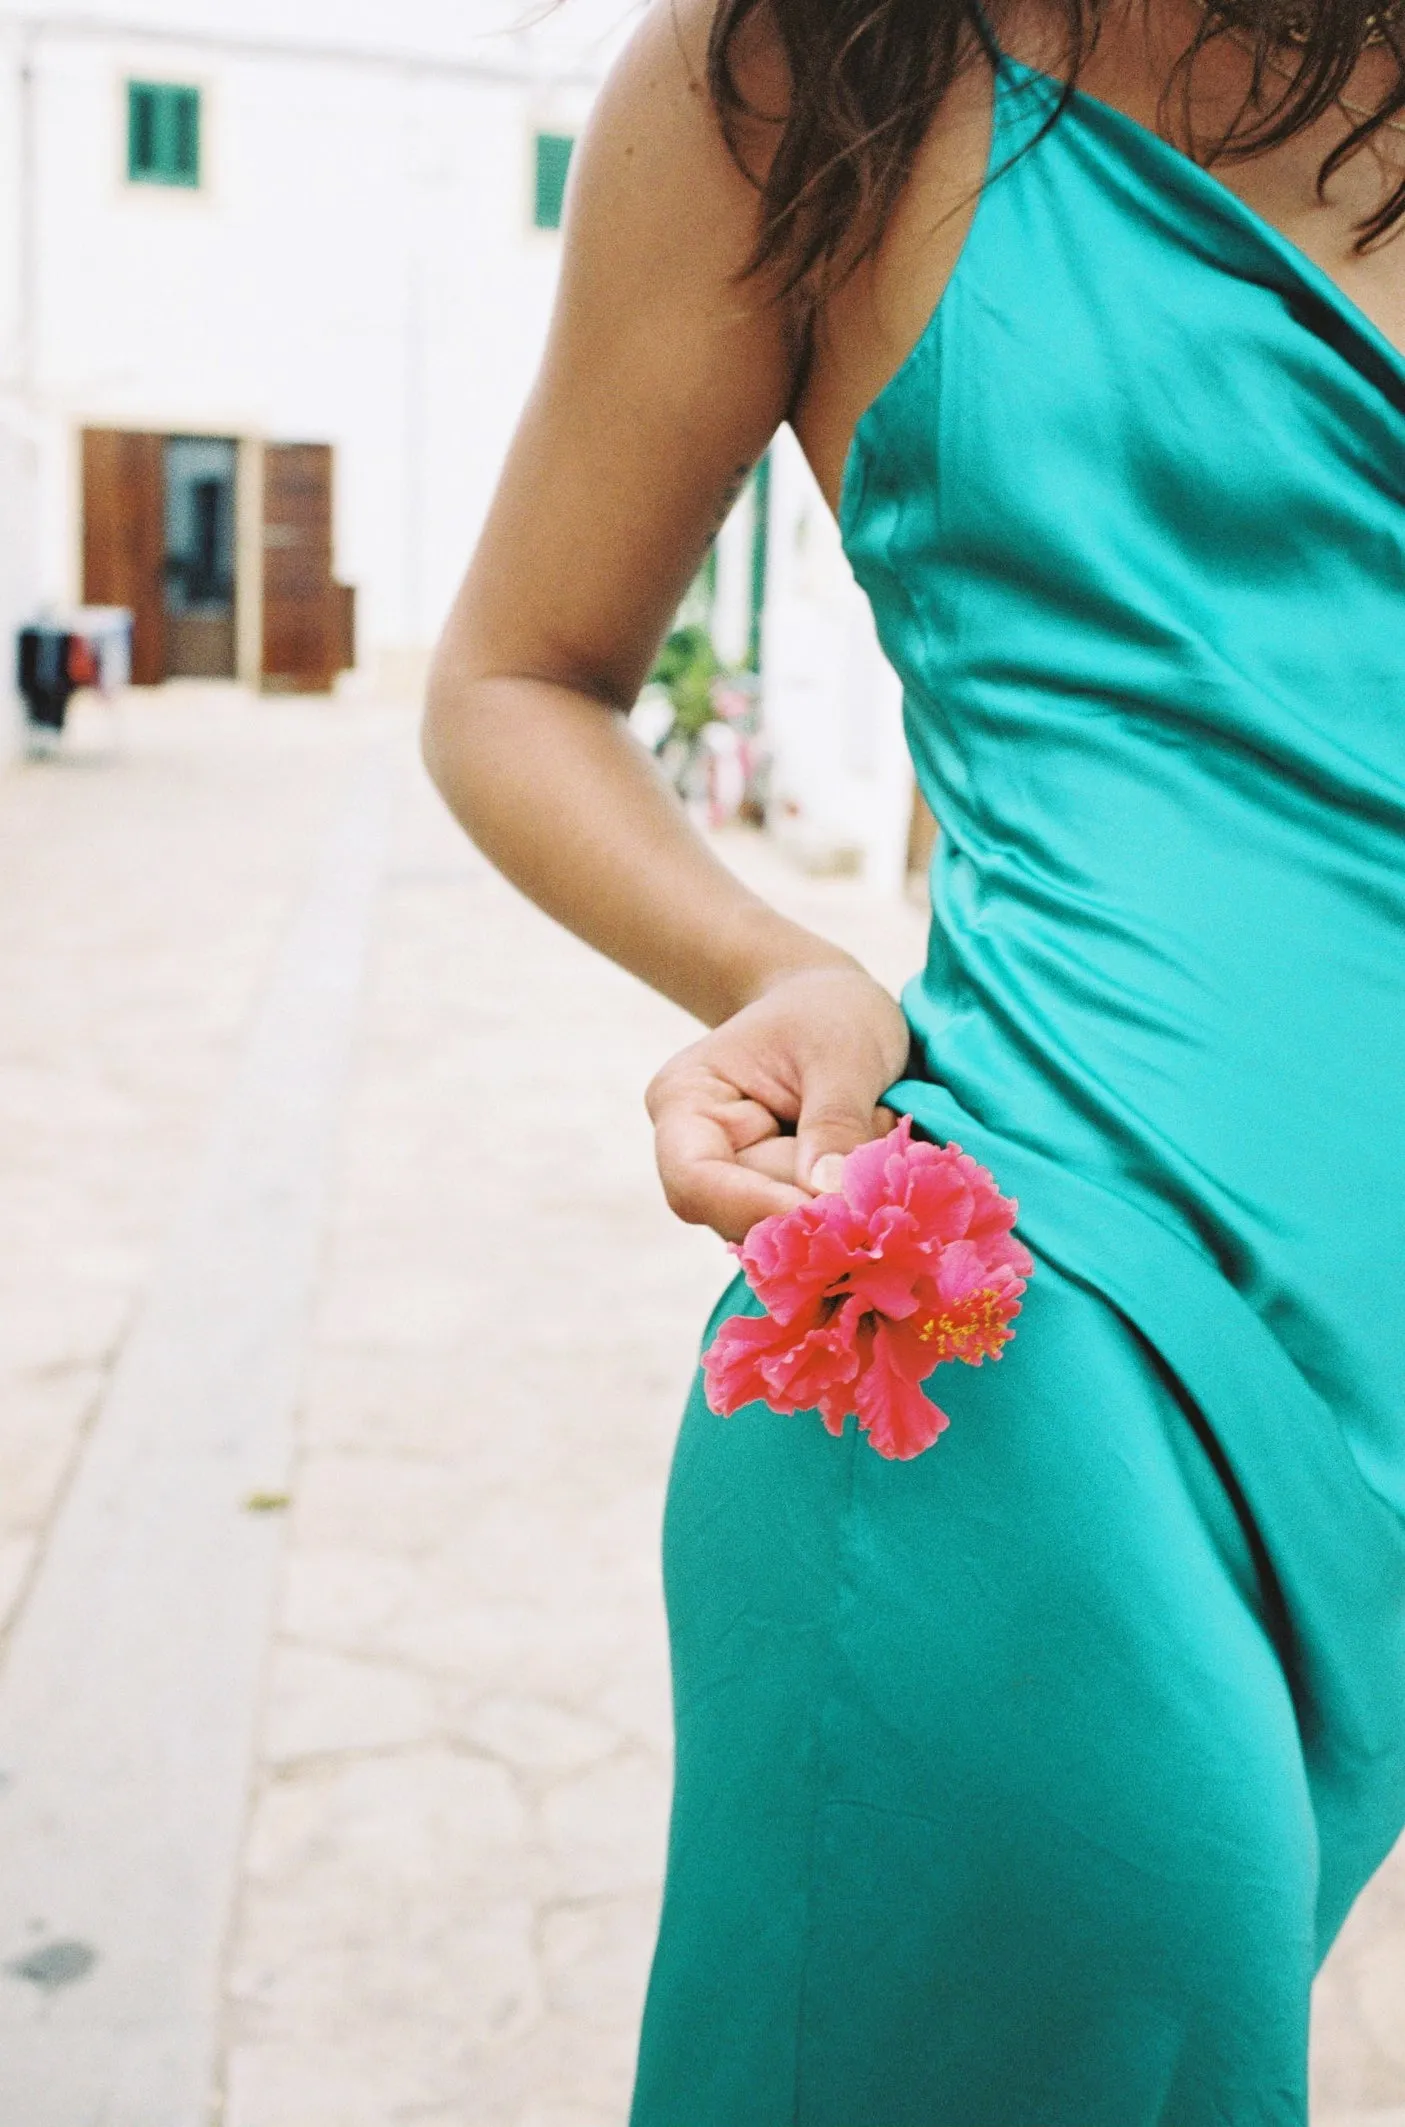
{"type": "Point", "coordinates": [18, 575]}
{"type": "Point", "coordinates": [250, 225]}
{"type": "Point", "coordinates": [274, 277]}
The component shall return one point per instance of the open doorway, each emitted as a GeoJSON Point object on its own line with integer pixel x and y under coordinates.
{"type": "Point", "coordinates": [198, 562]}
{"type": "Point", "coordinates": [222, 550]}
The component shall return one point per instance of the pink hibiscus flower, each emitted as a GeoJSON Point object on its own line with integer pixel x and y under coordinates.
{"type": "Point", "coordinates": [867, 1290]}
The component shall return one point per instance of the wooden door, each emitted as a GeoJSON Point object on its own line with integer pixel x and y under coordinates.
{"type": "Point", "coordinates": [302, 611]}
{"type": "Point", "coordinates": [345, 596]}
{"type": "Point", "coordinates": [124, 538]}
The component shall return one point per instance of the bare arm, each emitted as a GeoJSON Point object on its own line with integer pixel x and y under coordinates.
{"type": "Point", "coordinates": [663, 380]}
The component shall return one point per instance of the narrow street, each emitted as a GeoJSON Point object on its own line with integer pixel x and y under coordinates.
{"type": "Point", "coordinates": [343, 1333]}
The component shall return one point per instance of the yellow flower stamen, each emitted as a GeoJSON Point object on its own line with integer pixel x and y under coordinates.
{"type": "Point", "coordinates": [978, 1327]}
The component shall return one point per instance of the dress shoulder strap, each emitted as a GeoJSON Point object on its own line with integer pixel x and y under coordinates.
{"type": "Point", "coordinates": [985, 30]}
{"type": "Point", "coordinates": [1027, 103]}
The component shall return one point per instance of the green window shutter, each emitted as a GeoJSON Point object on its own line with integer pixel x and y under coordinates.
{"type": "Point", "coordinates": [553, 162]}
{"type": "Point", "coordinates": [141, 130]}
{"type": "Point", "coordinates": [163, 133]}
{"type": "Point", "coordinates": [185, 131]}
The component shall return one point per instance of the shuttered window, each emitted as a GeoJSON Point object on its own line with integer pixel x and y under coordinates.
{"type": "Point", "coordinates": [163, 133]}
{"type": "Point", "coordinates": [553, 161]}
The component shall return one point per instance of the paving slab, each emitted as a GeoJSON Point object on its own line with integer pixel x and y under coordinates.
{"type": "Point", "coordinates": [147, 876]}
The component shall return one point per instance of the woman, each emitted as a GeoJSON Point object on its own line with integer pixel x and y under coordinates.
{"type": "Point", "coordinates": [1026, 1783]}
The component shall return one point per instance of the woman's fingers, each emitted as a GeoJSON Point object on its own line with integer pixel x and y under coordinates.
{"type": "Point", "coordinates": [710, 1185]}
{"type": "Point", "coordinates": [692, 1089]}
{"type": "Point", "coordinates": [774, 1157]}
{"type": "Point", "coordinates": [703, 1130]}
{"type": "Point", "coordinates": [731, 1199]}
{"type": "Point", "coordinates": [705, 1180]}
{"type": "Point", "coordinates": [757, 1117]}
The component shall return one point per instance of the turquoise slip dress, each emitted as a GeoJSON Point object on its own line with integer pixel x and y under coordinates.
{"type": "Point", "coordinates": [1026, 1784]}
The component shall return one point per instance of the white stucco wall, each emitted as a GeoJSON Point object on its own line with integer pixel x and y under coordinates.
{"type": "Point", "coordinates": [18, 455]}
{"type": "Point", "coordinates": [358, 266]}
{"type": "Point", "coordinates": [504, 35]}
{"type": "Point", "coordinates": [18, 574]}
{"type": "Point", "coordinates": [11, 190]}
{"type": "Point", "coordinates": [843, 777]}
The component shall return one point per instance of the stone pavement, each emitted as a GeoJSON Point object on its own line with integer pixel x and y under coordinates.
{"type": "Point", "coordinates": [430, 1746]}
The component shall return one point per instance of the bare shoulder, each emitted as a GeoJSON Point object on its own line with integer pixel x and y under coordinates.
{"type": "Point", "coordinates": [657, 186]}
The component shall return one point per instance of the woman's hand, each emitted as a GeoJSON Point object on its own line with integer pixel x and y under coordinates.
{"type": "Point", "coordinates": [757, 1116]}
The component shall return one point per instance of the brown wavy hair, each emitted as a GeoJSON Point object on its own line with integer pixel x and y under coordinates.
{"type": "Point", "coordinates": [866, 77]}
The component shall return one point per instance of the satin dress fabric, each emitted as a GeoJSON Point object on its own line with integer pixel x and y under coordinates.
{"type": "Point", "coordinates": [1026, 1784]}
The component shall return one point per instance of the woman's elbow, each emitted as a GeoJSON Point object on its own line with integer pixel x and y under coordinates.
{"type": "Point", "coordinates": [434, 723]}
{"type": "Point", "coordinates": [445, 723]}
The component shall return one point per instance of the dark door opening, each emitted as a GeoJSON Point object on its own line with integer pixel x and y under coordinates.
{"type": "Point", "coordinates": [198, 571]}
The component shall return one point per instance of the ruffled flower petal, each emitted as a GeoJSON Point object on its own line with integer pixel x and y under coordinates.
{"type": "Point", "coordinates": [899, 1419]}
{"type": "Point", "coordinates": [868, 1289]}
{"type": "Point", "coordinates": [793, 1257]}
{"type": "Point", "coordinates": [733, 1363]}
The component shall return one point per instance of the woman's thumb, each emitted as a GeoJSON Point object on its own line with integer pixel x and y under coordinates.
{"type": "Point", "coordinates": [831, 1123]}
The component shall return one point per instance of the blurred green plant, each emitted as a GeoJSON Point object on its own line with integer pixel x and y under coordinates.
{"type": "Point", "coordinates": [701, 719]}
{"type": "Point", "coordinates": [687, 669]}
